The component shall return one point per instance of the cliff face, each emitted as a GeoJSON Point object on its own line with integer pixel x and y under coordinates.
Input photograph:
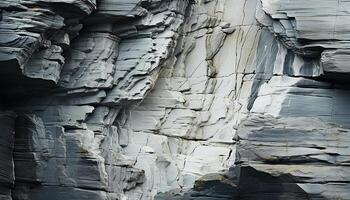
{"type": "Point", "coordinates": [174, 99]}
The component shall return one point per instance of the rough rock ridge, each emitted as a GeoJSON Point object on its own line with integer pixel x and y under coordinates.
{"type": "Point", "coordinates": [174, 99]}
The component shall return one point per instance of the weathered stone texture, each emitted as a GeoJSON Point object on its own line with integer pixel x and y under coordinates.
{"type": "Point", "coordinates": [174, 99]}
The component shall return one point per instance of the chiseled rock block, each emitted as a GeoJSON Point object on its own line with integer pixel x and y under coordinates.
{"type": "Point", "coordinates": [91, 63]}
{"type": "Point", "coordinates": [335, 61]}
{"type": "Point", "coordinates": [46, 64]}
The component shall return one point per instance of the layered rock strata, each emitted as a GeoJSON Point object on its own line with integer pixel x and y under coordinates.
{"type": "Point", "coordinates": [174, 99]}
{"type": "Point", "coordinates": [293, 144]}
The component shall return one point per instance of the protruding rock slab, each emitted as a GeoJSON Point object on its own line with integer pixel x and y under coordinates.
{"type": "Point", "coordinates": [313, 153]}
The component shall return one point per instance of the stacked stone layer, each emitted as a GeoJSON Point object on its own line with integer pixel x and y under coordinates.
{"type": "Point", "coordinates": [174, 99]}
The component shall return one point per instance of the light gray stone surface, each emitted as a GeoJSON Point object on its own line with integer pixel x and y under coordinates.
{"type": "Point", "coordinates": [174, 99]}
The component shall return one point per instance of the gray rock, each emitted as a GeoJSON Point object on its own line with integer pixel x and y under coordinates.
{"type": "Point", "coordinates": [7, 140]}
{"type": "Point", "coordinates": [314, 154]}
{"type": "Point", "coordinates": [174, 99]}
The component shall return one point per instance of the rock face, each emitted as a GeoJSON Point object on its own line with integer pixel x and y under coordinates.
{"type": "Point", "coordinates": [174, 99]}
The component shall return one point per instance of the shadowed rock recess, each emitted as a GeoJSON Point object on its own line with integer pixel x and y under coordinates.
{"type": "Point", "coordinates": [174, 99]}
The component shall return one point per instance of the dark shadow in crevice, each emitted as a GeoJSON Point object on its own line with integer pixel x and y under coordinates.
{"type": "Point", "coordinates": [241, 183]}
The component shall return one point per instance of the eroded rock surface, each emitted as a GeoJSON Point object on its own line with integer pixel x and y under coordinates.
{"type": "Point", "coordinates": [174, 99]}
